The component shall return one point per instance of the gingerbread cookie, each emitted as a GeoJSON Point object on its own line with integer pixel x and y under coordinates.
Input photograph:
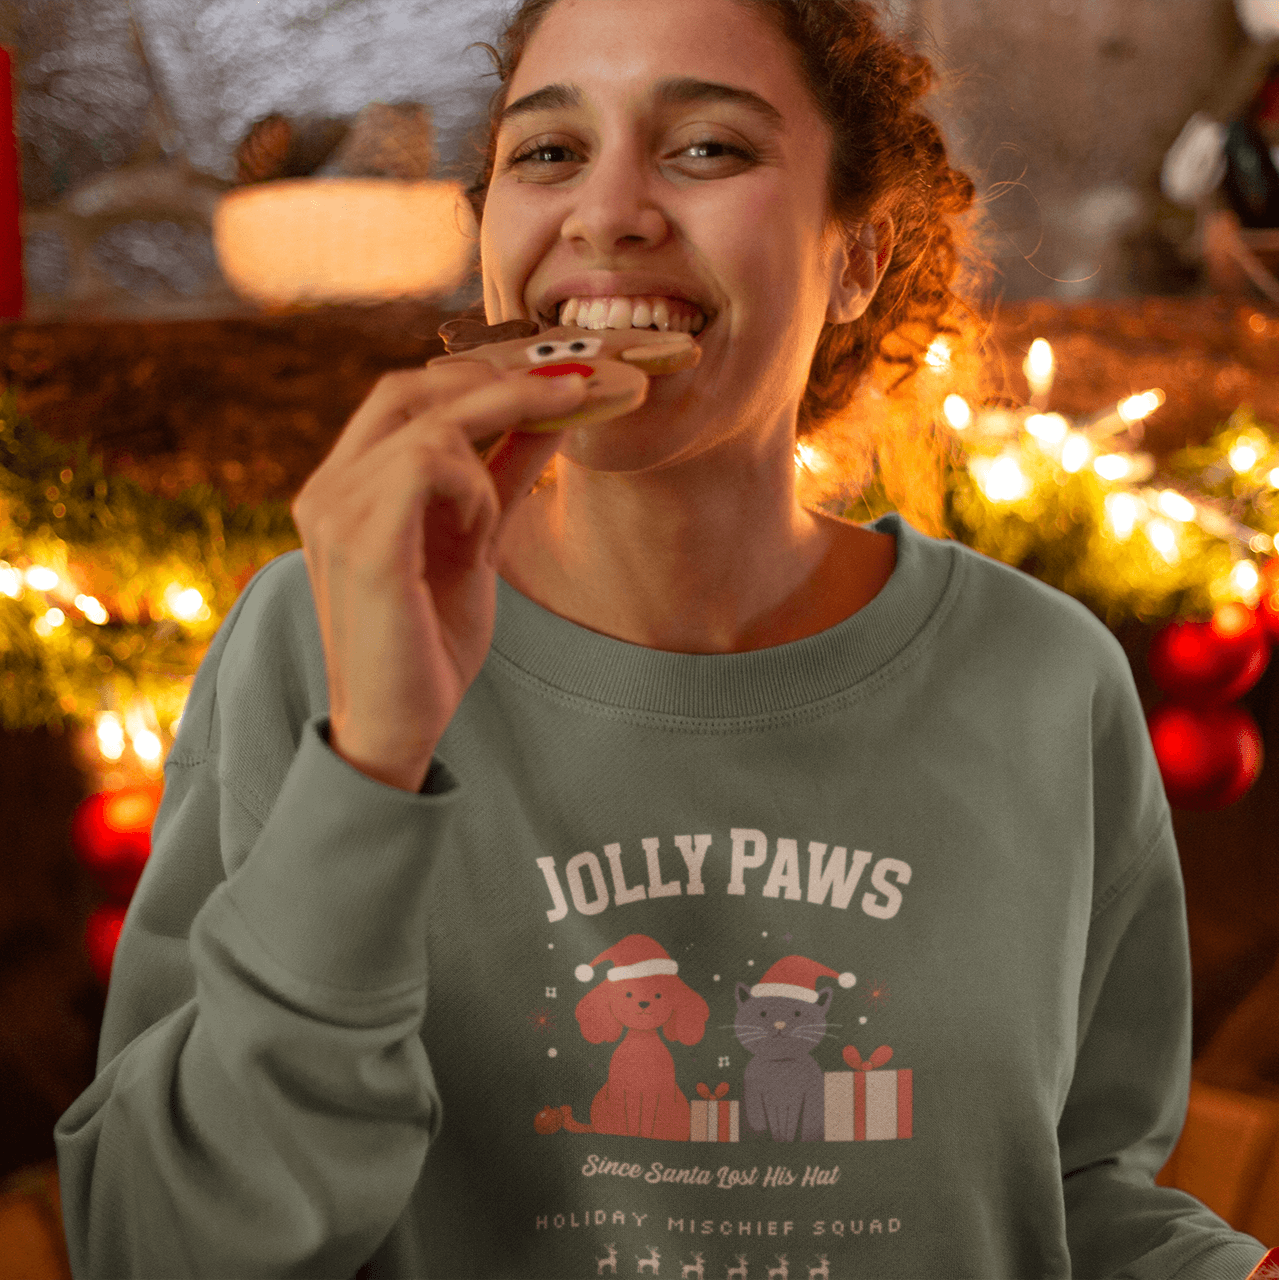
{"type": "Point", "coordinates": [616, 363]}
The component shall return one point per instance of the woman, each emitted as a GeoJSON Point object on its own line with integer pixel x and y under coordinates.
{"type": "Point", "coordinates": [516, 846]}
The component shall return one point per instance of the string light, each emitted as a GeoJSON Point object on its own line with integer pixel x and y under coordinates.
{"type": "Point", "coordinates": [958, 412]}
{"type": "Point", "coordinates": [1048, 428]}
{"type": "Point", "coordinates": [1135, 408]}
{"type": "Point", "coordinates": [1075, 452]}
{"type": "Point", "coordinates": [1039, 368]}
{"type": "Point", "coordinates": [110, 734]}
{"type": "Point", "coordinates": [1163, 537]}
{"type": "Point", "coordinates": [10, 581]}
{"type": "Point", "coordinates": [938, 354]}
{"type": "Point", "coordinates": [1175, 506]}
{"type": "Point", "coordinates": [1243, 457]}
{"type": "Point", "coordinates": [41, 579]}
{"type": "Point", "coordinates": [1121, 513]}
{"type": "Point", "coordinates": [1112, 466]}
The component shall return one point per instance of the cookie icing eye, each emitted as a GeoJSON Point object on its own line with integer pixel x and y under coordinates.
{"type": "Point", "coordinates": [542, 352]}
{"type": "Point", "coordinates": [587, 347]}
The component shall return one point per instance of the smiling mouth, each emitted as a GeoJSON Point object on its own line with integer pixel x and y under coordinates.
{"type": "Point", "coordinates": [659, 314]}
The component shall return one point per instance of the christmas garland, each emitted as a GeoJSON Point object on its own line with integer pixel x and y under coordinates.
{"type": "Point", "coordinates": [109, 595]}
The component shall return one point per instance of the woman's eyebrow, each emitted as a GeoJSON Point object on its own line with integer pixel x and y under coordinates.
{"type": "Point", "coordinates": [676, 91]}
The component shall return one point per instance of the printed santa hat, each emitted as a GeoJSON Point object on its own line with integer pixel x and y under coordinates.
{"type": "Point", "coordinates": [636, 956]}
{"type": "Point", "coordinates": [795, 978]}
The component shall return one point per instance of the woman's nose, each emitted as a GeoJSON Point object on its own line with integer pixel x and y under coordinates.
{"type": "Point", "coordinates": [613, 209]}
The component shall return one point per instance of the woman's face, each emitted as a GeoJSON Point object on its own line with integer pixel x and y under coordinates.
{"type": "Point", "coordinates": [668, 149]}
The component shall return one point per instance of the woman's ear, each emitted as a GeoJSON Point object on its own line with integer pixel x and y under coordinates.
{"type": "Point", "coordinates": [858, 268]}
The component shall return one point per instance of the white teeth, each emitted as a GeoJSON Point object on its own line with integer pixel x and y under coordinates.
{"type": "Point", "coordinates": [619, 313]}
{"type": "Point", "coordinates": [630, 313]}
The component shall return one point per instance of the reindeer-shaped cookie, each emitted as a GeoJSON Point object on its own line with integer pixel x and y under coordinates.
{"type": "Point", "coordinates": [616, 363]}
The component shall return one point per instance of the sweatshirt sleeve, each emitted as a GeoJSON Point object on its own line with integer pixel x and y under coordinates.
{"type": "Point", "coordinates": [263, 1102]}
{"type": "Point", "coordinates": [1128, 1098]}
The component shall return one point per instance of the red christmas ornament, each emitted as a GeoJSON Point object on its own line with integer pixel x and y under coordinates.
{"type": "Point", "coordinates": [1268, 608]}
{"type": "Point", "coordinates": [1208, 756]}
{"type": "Point", "coordinates": [1206, 664]}
{"type": "Point", "coordinates": [101, 933]}
{"type": "Point", "coordinates": [112, 834]}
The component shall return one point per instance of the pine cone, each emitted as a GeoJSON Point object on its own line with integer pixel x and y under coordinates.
{"type": "Point", "coordinates": [262, 154]}
{"type": "Point", "coordinates": [386, 142]}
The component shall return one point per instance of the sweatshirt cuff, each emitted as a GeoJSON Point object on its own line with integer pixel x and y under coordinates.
{"type": "Point", "coordinates": [336, 885]}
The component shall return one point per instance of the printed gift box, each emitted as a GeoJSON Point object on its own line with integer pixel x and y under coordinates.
{"type": "Point", "coordinates": [714, 1116]}
{"type": "Point", "coordinates": [866, 1104]}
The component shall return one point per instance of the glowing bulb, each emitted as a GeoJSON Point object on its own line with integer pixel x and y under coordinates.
{"type": "Point", "coordinates": [938, 354]}
{"type": "Point", "coordinates": [1121, 511]}
{"type": "Point", "coordinates": [1244, 578]}
{"type": "Point", "coordinates": [957, 412]}
{"type": "Point", "coordinates": [1048, 428]}
{"type": "Point", "coordinates": [1174, 505]}
{"type": "Point", "coordinates": [49, 623]}
{"type": "Point", "coordinates": [1039, 360]}
{"type": "Point", "coordinates": [1273, 478]}
{"type": "Point", "coordinates": [1005, 481]}
{"type": "Point", "coordinates": [147, 746]}
{"type": "Point", "coordinates": [1163, 537]}
{"type": "Point", "coordinates": [10, 581]}
{"type": "Point", "coordinates": [1140, 406]}
{"type": "Point", "coordinates": [1112, 466]}
{"type": "Point", "coordinates": [185, 604]}
{"type": "Point", "coordinates": [92, 609]}
{"type": "Point", "coordinates": [1243, 457]}
{"type": "Point", "coordinates": [110, 735]}
{"type": "Point", "coordinates": [41, 579]}
{"type": "Point", "coordinates": [1075, 452]}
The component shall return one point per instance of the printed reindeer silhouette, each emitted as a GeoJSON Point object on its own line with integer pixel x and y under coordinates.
{"type": "Point", "coordinates": [822, 1270]}
{"type": "Point", "coordinates": [640, 996]}
{"type": "Point", "coordinates": [739, 1272]}
{"type": "Point", "coordinates": [651, 1263]}
{"type": "Point", "coordinates": [610, 1262]}
{"type": "Point", "coordinates": [781, 1271]}
{"type": "Point", "coordinates": [695, 1270]}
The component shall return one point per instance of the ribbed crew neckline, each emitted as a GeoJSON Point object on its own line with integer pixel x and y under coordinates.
{"type": "Point", "coordinates": [578, 661]}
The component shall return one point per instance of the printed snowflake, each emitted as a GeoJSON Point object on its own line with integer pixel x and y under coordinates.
{"type": "Point", "coordinates": [542, 1019]}
{"type": "Point", "coordinates": [875, 994]}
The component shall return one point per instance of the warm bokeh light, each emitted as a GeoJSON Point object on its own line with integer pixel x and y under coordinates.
{"type": "Point", "coordinates": [41, 579]}
{"type": "Point", "coordinates": [185, 605]}
{"type": "Point", "coordinates": [49, 622]}
{"type": "Point", "coordinates": [1075, 452]}
{"type": "Point", "coordinates": [1163, 537]}
{"type": "Point", "coordinates": [1245, 579]}
{"type": "Point", "coordinates": [957, 411]}
{"type": "Point", "coordinates": [1121, 513]}
{"type": "Point", "coordinates": [92, 609]}
{"type": "Point", "coordinates": [1112, 466]}
{"type": "Point", "coordinates": [1243, 457]}
{"type": "Point", "coordinates": [110, 735]}
{"type": "Point", "coordinates": [938, 354]}
{"type": "Point", "coordinates": [1176, 506]}
{"type": "Point", "coordinates": [1001, 479]}
{"type": "Point", "coordinates": [1048, 428]}
{"type": "Point", "coordinates": [1039, 367]}
{"type": "Point", "coordinates": [344, 239]}
{"type": "Point", "coordinates": [1135, 408]}
{"type": "Point", "coordinates": [10, 581]}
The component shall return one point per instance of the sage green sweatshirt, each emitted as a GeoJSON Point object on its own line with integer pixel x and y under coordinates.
{"type": "Point", "coordinates": [860, 956]}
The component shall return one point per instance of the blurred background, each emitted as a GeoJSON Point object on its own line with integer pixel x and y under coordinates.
{"type": "Point", "coordinates": [215, 247]}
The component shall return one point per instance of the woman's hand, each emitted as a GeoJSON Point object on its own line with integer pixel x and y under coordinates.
{"type": "Point", "coordinates": [399, 526]}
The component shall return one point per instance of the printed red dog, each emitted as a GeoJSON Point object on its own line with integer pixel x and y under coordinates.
{"type": "Point", "coordinates": [641, 995]}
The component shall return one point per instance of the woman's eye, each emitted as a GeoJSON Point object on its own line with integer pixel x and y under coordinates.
{"type": "Point", "coordinates": [711, 149]}
{"type": "Point", "coordinates": [543, 153]}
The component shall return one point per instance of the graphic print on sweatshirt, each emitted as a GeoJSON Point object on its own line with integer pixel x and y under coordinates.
{"type": "Point", "coordinates": [715, 1083]}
